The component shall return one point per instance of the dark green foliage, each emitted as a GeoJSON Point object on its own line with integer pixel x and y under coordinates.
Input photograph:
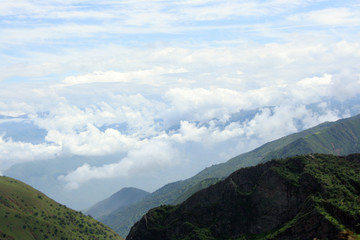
{"type": "Point", "coordinates": [26, 213]}
{"type": "Point", "coordinates": [314, 196]}
{"type": "Point", "coordinates": [197, 187]}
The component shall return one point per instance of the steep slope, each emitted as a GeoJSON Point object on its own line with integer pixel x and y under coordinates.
{"type": "Point", "coordinates": [122, 198]}
{"type": "Point", "coordinates": [331, 137]}
{"type": "Point", "coordinates": [304, 197]}
{"type": "Point", "coordinates": [197, 187]}
{"type": "Point", "coordinates": [26, 213]}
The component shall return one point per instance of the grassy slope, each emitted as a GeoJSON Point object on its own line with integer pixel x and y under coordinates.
{"type": "Point", "coordinates": [26, 213]}
{"type": "Point", "coordinates": [330, 137]}
{"type": "Point", "coordinates": [340, 139]}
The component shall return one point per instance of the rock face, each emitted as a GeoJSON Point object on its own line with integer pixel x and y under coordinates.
{"type": "Point", "coordinates": [305, 197]}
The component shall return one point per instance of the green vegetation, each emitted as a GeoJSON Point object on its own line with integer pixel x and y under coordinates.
{"type": "Point", "coordinates": [304, 197]}
{"type": "Point", "coordinates": [338, 196]}
{"type": "Point", "coordinates": [26, 213]}
{"type": "Point", "coordinates": [338, 138]}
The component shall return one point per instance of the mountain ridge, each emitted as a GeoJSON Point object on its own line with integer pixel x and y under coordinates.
{"type": "Point", "coordinates": [313, 196]}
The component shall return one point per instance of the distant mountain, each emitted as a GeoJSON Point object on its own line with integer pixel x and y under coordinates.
{"type": "Point", "coordinates": [340, 137]}
{"type": "Point", "coordinates": [312, 196]}
{"type": "Point", "coordinates": [122, 198]}
{"type": "Point", "coordinates": [26, 213]}
{"type": "Point", "coordinates": [21, 129]}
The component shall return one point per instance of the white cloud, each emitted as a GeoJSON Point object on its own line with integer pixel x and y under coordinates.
{"type": "Point", "coordinates": [84, 20]}
{"type": "Point", "coordinates": [140, 12]}
{"type": "Point", "coordinates": [165, 149]}
{"type": "Point", "coordinates": [189, 132]}
{"type": "Point", "coordinates": [12, 153]}
{"type": "Point", "coordinates": [165, 68]}
{"type": "Point", "coordinates": [310, 90]}
{"type": "Point", "coordinates": [150, 77]}
{"type": "Point", "coordinates": [330, 16]}
{"type": "Point", "coordinates": [315, 82]}
{"type": "Point", "coordinates": [271, 124]}
{"type": "Point", "coordinates": [148, 157]}
{"type": "Point", "coordinates": [92, 142]}
{"type": "Point", "coordinates": [15, 108]}
{"type": "Point", "coordinates": [201, 104]}
{"type": "Point", "coordinates": [346, 84]}
{"type": "Point", "coordinates": [65, 117]}
{"type": "Point", "coordinates": [267, 125]}
{"type": "Point", "coordinates": [209, 135]}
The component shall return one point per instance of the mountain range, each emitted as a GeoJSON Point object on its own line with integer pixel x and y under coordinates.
{"type": "Point", "coordinates": [339, 138]}
{"type": "Point", "coordinates": [321, 197]}
{"type": "Point", "coordinates": [313, 196]}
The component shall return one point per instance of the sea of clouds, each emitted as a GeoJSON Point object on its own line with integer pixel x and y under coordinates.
{"type": "Point", "coordinates": [147, 92]}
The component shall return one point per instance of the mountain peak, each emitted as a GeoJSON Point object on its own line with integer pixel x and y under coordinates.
{"type": "Point", "coordinates": [125, 197]}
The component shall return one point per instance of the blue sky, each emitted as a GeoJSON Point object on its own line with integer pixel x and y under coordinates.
{"type": "Point", "coordinates": [149, 89]}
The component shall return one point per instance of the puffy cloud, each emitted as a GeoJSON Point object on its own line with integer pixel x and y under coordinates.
{"type": "Point", "coordinates": [209, 135]}
{"type": "Point", "coordinates": [204, 104]}
{"type": "Point", "coordinates": [120, 123]}
{"type": "Point", "coordinates": [201, 104]}
{"type": "Point", "coordinates": [12, 153]}
{"type": "Point", "coordinates": [135, 111]}
{"type": "Point", "coordinates": [140, 77]}
{"type": "Point", "coordinates": [92, 141]}
{"type": "Point", "coordinates": [273, 123]}
{"type": "Point", "coordinates": [268, 124]}
{"type": "Point", "coordinates": [15, 108]}
{"type": "Point", "coordinates": [310, 90]}
{"type": "Point", "coordinates": [346, 84]}
{"type": "Point", "coordinates": [148, 157]}
{"type": "Point", "coordinates": [216, 136]}
{"type": "Point", "coordinates": [315, 82]}
{"type": "Point", "coordinates": [329, 16]}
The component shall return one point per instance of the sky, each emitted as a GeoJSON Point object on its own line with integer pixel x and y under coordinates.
{"type": "Point", "coordinates": [110, 94]}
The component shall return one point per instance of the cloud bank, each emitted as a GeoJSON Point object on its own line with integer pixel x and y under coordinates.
{"type": "Point", "coordinates": [160, 85]}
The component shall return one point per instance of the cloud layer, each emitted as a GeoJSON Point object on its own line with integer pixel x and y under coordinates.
{"type": "Point", "coordinates": [168, 85]}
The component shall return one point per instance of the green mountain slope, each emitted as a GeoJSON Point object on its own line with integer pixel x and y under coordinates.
{"type": "Point", "coordinates": [314, 196]}
{"type": "Point", "coordinates": [27, 214]}
{"type": "Point", "coordinates": [331, 137]}
{"type": "Point", "coordinates": [122, 198]}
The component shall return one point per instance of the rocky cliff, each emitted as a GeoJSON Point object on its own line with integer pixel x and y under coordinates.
{"type": "Point", "coordinates": [305, 197]}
